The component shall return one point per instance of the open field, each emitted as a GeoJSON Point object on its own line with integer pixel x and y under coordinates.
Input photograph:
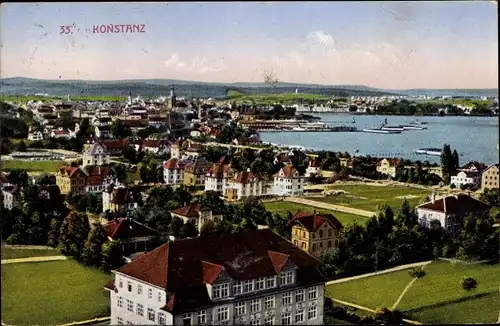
{"type": "Point", "coordinates": [368, 197]}
{"type": "Point", "coordinates": [284, 97]}
{"type": "Point", "coordinates": [24, 99]}
{"type": "Point", "coordinates": [26, 141]}
{"type": "Point", "coordinates": [32, 166]}
{"type": "Point", "coordinates": [283, 207]}
{"type": "Point", "coordinates": [463, 102]}
{"type": "Point", "coordinates": [50, 293]}
{"type": "Point", "coordinates": [9, 253]}
{"type": "Point", "coordinates": [436, 298]}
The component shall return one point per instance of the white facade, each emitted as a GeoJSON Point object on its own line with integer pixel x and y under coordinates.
{"type": "Point", "coordinates": [173, 176]}
{"type": "Point", "coordinates": [35, 136]}
{"type": "Point", "coordinates": [463, 179]}
{"type": "Point", "coordinates": [96, 154]}
{"type": "Point", "coordinates": [10, 200]}
{"type": "Point", "coordinates": [288, 186]}
{"type": "Point", "coordinates": [251, 188]}
{"type": "Point", "coordinates": [214, 184]}
{"type": "Point", "coordinates": [425, 216]}
{"type": "Point", "coordinates": [316, 170]}
{"type": "Point", "coordinates": [264, 301]}
{"type": "Point", "coordinates": [175, 151]}
{"type": "Point", "coordinates": [137, 303]}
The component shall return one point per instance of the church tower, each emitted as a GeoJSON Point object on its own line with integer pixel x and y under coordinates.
{"type": "Point", "coordinates": [171, 98]}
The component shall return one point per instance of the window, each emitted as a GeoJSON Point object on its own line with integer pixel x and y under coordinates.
{"type": "Point", "coordinates": [254, 305]}
{"type": "Point", "coordinates": [299, 316]}
{"type": "Point", "coordinates": [303, 245]}
{"type": "Point", "coordinates": [202, 317]}
{"type": "Point", "coordinates": [159, 296]}
{"type": "Point", "coordinates": [119, 320]}
{"type": "Point", "coordinates": [286, 319]}
{"type": "Point", "coordinates": [120, 283]}
{"type": "Point", "coordinates": [271, 282]}
{"type": "Point", "coordinates": [237, 287]}
{"type": "Point", "coordinates": [187, 319]}
{"type": "Point", "coordinates": [220, 291]}
{"type": "Point", "coordinates": [287, 298]}
{"type": "Point", "coordinates": [312, 313]}
{"type": "Point", "coordinates": [312, 293]}
{"type": "Point", "coordinates": [329, 244]}
{"type": "Point", "coordinates": [239, 309]}
{"type": "Point", "coordinates": [259, 284]}
{"type": "Point", "coordinates": [150, 293]}
{"type": "Point", "coordinates": [330, 232]}
{"type": "Point", "coordinates": [129, 286]}
{"type": "Point", "coordinates": [286, 278]}
{"type": "Point", "coordinates": [151, 314]}
{"type": "Point", "coordinates": [130, 305]}
{"type": "Point", "coordinates": [269, 321]}
{"type": "Point", "coordinates": [295, 242]}
{"type": "Point", "coordinates": [314, 247]}
{"type": "Point", "coordinates": [321, 233]}
{"type": "Point", "coordinates": [269, 302]}
{"type": "Point", "coordinates": [139, 289]}
{"type": "Point", "coordinates": [129, 323]}
{"type": "Point", "coordinates": [140, 309]}
{"type": "Point", "coordinates": [255, 322]}
{"type": "Point", "coordinates": [119, 303]}
{"type": "Point", "coordinates": [248, 286]}
{"type": "Point", "coordinates": [299, 296]}
{"type": "Point", "coordinates": [161, 318]}
{"type": "Point", "coordinates": [222, 313]}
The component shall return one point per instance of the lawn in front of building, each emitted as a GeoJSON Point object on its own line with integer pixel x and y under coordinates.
{"type": "Point", "coordinates": [53, 292]}
{"type": "Point", "coordinates": [436, 298]}
{"type": "Point", "coordinates": [283, 207]}
{"type": "Point", "coordinates": [32, 166]}
{"type": "Point", "coordinates": [368, 197]}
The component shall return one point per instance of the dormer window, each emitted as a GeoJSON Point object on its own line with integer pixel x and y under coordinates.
{"type": "Point", "coordinates": [248, 286]}
{"type": "Point", "coordinates": [271, 282]}
{"type": "Point", "coordinates": [220, 291]}
{"type": "Point", "coordinates": [259, 284]}
{"type": "Point", "coordinates": [237, 288]}
{"type": "Point", "coordinates": [286, 278]}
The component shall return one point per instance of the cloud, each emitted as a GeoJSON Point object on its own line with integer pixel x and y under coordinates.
{"type": "Point", "coordinates": [321, 37]}
{"type": "Point", "coordinates": [199, 65]}
{"type": "Point", "coordinates": [174, 62]}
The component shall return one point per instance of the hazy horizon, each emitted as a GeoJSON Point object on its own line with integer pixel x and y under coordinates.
{"type": "Point", "coordinates": [386, 45]}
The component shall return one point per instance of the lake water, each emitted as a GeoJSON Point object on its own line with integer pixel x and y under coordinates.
{"type": "Point", "coordinates": [474, 138]}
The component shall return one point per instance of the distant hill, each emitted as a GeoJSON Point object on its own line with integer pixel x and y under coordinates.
{"type": "Point", "coordinates": [158, 87]}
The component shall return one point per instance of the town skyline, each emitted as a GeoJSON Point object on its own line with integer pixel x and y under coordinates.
{"type": "Point", "coordinates": [440, 45]}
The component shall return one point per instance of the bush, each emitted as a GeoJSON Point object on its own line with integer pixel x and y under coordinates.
{"type": "Point", "coordinates": [417, 272]}
{"type": "Point", "coordinates": [468, 283]}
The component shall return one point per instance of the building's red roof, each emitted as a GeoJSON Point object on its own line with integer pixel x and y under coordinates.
{"type": "Point", "coordinates": [245, 177]}
{"type": "Point", "coordinates": [198, 166]}
{"type": "Point", "coordinates": [474, 165]}
{"type": "Point", "coordinates": [460, 204]}
{"type": "Point", "coordinates": [152, 143]}
{"type": "Point", "coordinates": [69, 170]}
{"type": "Point", "coordinates": [114, 143]}
{"type": "Point", "coordinates": [191, 210]}
{"type": "Point", "coordinates": [315, 163]}
{"type": "Point", "coordinates": [173, 163]}
{"type": "Point", "coordinates": [184, 267]}
{"type": "Point", "coordinates": [124, 195]}
{"type": "Point", "coordinates": [312, 221]}
{"type": "Point", "coordinates": [288, 171]}
{"type": "Point", "coordinates": [124, 228]}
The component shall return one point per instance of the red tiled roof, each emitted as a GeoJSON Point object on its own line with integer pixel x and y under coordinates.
{"type": "Point", "coordinates": [460, 205]}
{"type": "Point", "coordinates": [315, 163]}
{"type": "Point", "coordinates": [246, 177]}
{"type": "Point", "coordinates": [288, 171]}
{"type": "Point", "coordinates": [474, 164]}
{"type": "Point", "coordinates": [199, 164]}
{"type": "Point", "coordinates": [153, 143]}
{"type": "Point", "coordinates": [124, 228]}
{"type": "Point", "coordinates": [183, 267]}
{"type": "Point", "coordinates": [191, 210]}
{"type": "Point", "coordinates": [113, 143]}
{"type": "Point", "coordinates": [124, 195]}
{"type": "Point", "coordinates": [69, 170]}
{"type": "Point", "coordinates": [173, 163]}
{"type": "Point", "coordinates": [312, 221]}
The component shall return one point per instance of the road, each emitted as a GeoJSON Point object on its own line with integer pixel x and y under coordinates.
{"type": "Point", "coordinates": [344, 209]}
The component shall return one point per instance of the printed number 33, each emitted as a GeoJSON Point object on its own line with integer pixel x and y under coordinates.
{"type": "Point", "coordinates": [65, 29]}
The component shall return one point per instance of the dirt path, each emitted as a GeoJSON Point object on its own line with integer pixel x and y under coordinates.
{"type": "Point", "coordinates": [349, 304]}
{"type": "Point", "coordinates": [332, 207]}
{"type": "Point", "coordinates": [385, 271]}
{"type": "Point", "coordinates": [27, 247]}
{"type": "Point", "coordinates": [406, 289]}
{"type": "Point", "coordinates": [33, 259]}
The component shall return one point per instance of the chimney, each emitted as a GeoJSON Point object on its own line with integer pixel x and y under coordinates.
{"type": "Point", "coordinates": [314, 212]}
{"type": "Point", "coordinates": [433, 197]}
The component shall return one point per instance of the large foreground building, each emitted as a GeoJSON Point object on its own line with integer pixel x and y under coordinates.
{"type": "Point", "coordinates": [252, 278]}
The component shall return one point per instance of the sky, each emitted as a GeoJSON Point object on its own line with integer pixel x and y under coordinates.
{"type": "Point", "coordinates": [391, 45]}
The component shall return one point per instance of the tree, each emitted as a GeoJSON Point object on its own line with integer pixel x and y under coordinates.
{"type": "Point", "coordinates": [21, 147]}
{"type": "Point", "coordinates": [448, 163]}
{"type": "Point", "coordinates": [188, 230]}
{"type": "Point", "coordinates": [468, 283]}
{"type": "Point", "coordinates": [119, 130]}
{"type": "Point", "coordinates": [46, 179]}
{"type": "Point", "coordinates": [417, 272]}
{"type": "Point", "coordinates": [73, 234]}
{"type": "Point", "coordinates": [456, 159]}
{"type": "Point", "coordinates": [53, 236]}
{"type": "Point", "coordinates": [18, 177]}
{"type": "Point", "coordinates": [207, 228]}
{"type": "Point", "coordinates": [406, 216]}
{"type": "Point", "coordinates": [491, 197]}
{"type": "Point", "coordinates": [111, 256]}
{"type": "Point", "coordinates": [92, 252]}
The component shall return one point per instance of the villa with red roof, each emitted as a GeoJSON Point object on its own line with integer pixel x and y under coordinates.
{"type": "Point", "coordinates": [245, 184]}
{"type": "Point", "coordinates": [253, 277]}
{"type": "Point", "coordinates": [389, 167]}
{"type": "Point", "coordinates": [288, 182]}
{"type": "Point", "coordinates": [197, 214]}
{"type": "Point", "coordinates": [450, 211]}
{"type": "Point", "coordinates": [314, 167]}
{"type": "Point", "coordinates": [315, 233]}
{"type": "Point", "coordinates": [132, 236]}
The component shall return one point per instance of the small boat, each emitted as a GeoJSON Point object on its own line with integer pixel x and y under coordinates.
{"type": "Point", "coordinates": [393, 128]}
{"type": "Point", "coordinates": [298, 129]}
{"type": "Point", "coordinates": [413, 127]}
{"type": "Point", "coordinates": [429, 151]}
{"type": "Point", "coordinates": [353, 120]}
{"type": "Point", "coordinates": [381, 130]}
